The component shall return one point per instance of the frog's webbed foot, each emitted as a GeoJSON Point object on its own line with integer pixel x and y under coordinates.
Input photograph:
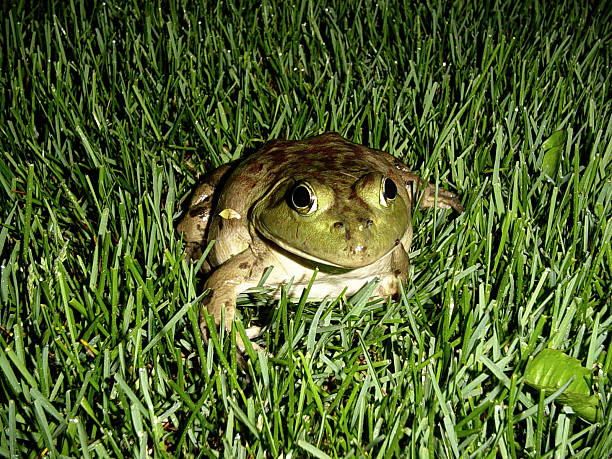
{"type": "Point", "coordinates": [251, 332]}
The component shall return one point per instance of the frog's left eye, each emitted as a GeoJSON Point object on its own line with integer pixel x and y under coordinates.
{"type": "Point", "coordinates": [303, 199]}
{"type": "Point", "coordinates": [388, 191]}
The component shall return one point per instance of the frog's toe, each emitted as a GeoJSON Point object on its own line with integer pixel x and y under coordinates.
{"type": "Point", "coordinates": [253, 332]}
{"type": "Point", "coordinates": [240, 344]}
{"type": "Point", "coordinates": [389, 286]}
{"type": "Point", "coordinates": [241, 354]}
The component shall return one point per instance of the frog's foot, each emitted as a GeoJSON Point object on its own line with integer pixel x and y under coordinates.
{"type": "Point", "coordinates": [241, 347]}
{"type": "Point", "coordinates": [389, 286]}
{"type": "Point", "coordinates": [440, 197]}
{"type": "Point", "coordinates": [229, 315]}
{"type": "Point", "coordinates": [219, 310]}
{"type": "Point", "coordinates": [253, 332]}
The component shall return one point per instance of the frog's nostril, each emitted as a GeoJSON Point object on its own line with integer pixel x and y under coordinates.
{"type": "Point", "coordinates": [369, 222]}
{"type": "Point", "coordinates": [338, 225]}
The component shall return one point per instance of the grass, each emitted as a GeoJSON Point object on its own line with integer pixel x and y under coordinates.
{"type": "Point", "coordinates": [111, 112]}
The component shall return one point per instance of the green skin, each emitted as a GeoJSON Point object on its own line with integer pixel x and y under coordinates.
{"type": "Point", "coordinates": [353, 228]}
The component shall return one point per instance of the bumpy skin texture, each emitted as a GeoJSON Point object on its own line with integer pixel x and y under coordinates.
{"type": "Point", "coordinates": [323, 202]}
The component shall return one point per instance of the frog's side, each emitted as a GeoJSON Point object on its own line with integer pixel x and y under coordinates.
{"type": "Point", "coordinates": [322, 203]}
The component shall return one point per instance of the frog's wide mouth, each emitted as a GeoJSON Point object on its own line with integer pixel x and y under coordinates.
{"type": "Point", "coordinates": [352, 263]}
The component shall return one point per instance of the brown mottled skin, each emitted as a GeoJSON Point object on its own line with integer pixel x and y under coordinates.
{"type": "Point", "coordinates": [357, 226]}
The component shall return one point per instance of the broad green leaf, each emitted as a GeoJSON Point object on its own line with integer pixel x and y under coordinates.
{"type": "Point", "coordinates": [553, 149]}
{"type": "Point", "coordinates": [551, 369]}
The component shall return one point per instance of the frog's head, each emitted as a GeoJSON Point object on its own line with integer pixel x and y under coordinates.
{"type": "Point", "coordinates": [334, 218]}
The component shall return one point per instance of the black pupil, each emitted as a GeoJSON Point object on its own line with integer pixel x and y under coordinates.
{"type": "Point", "coordinates": [301, 197]}
{"type": "Point", "coordinates": [390, 189]}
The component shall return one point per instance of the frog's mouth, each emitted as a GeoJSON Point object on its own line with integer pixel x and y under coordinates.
{"type": "Point", "coordinates": [356, 260]}
{"type": "Point", "coordinates": [307, 256]}
{"type": "Point", "coordinates": [308, 260]}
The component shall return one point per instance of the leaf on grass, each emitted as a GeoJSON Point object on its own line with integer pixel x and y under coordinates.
{"type": "Point", "coordinates": [553, 149]}
{"type": "Point", "coordinates": [551, 369]}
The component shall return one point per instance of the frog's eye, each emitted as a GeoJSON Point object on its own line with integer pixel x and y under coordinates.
{"type": "Point", "coordinates": [388, 191]}
{"type": "Point", "coordinates": [303, 199]}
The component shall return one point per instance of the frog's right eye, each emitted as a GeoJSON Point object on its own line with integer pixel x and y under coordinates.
{"type": "Point", "coordinates": [303, 199]}
{"type": "Point", "coordinates": [388, 191]}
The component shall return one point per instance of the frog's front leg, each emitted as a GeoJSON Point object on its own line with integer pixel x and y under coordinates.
{"type": "Point", "coordinates": [233, 277]}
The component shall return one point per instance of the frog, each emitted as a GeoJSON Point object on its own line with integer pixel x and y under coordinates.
{"type": "Point", "coordinates": [323, 205]}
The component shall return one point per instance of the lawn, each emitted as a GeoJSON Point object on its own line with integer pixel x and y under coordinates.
{"type": "Point", "coordinates": [112, 111]}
